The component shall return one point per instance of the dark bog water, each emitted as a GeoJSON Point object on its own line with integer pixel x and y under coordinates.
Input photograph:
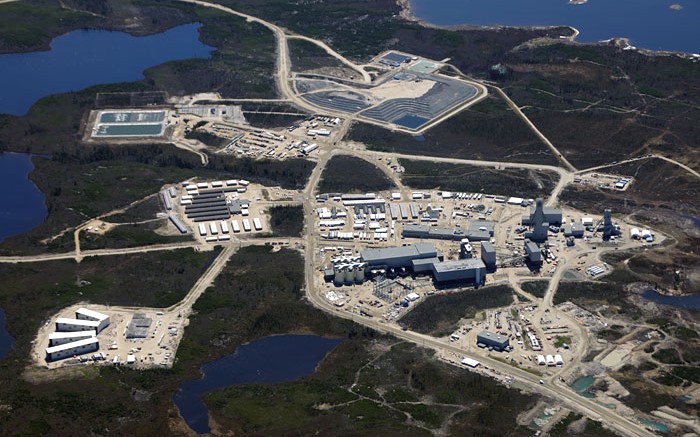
{"type": "Point", "coordinates": [6, 340]}
{"type": "Point", "coordinates": [84, 58]}
{"type": "Point", "coordinates": [22, 207]}
{"type": "Point", "coordinates": [268, 360]}
{"type": "Point", "coordinates": [691, 301]}
{"type": "Point", "coordinates": [650, 24]}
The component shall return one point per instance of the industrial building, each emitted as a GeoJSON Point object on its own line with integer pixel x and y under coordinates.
{"type": "Point", "coordinates": [540, 219]}
{"type": "Point", "coordinates": [489, 339]}
{"type": "Point", "coordinates": [551, 215]}
{"type": "Point", "coordinates": [86, 314]}
{"type": "Point", "coordinates": [396, 257]}
{"type": "Point", "coordinates": [573, 230]}
{"type": "Point", "coordinates": [66, 350]}
{"type": "Point", "coordinates": [478, 230]}
{"type": "Point", "coordinates": [423, 265]}
{"type": "Point", "coordinates": [488, 255]}
{"type": "Point", "coordinates": [533, 252]}
{"type": "Point", "coordinates": [470, 269]}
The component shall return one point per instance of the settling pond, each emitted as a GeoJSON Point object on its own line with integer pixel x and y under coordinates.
{"type": "Point", "coordinates": [269, 360]}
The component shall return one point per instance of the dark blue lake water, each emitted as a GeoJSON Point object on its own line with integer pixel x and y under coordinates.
{"type": "Point", "coordinates": [271, 359]}
{"type": "Point", "coordinates": [22, 207]}
{"type": "Point", "coordinates": [650, 24]}
{"type": "Point", "coordinates": [6, 340]}
{"type": "Point", "coordinates": [691, 301]}
{"type": "Point", "coordinates": [84, 58]}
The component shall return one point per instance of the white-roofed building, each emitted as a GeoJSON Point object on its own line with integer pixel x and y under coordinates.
{"type": "Point", "coordinates": [59, 338]}
{"type": "Point", "coordinates": [66, 350]}
{"type": "Point", "coordinates": [87, 314]}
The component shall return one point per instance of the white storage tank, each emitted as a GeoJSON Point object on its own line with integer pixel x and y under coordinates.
{"type": "Point", "coordinates": [646, 233]}
{"type": "Point", "coordinates": [540, 360]}
{"type": "Point", "coordinates": [550, 360]}
{"type": "Point", "coordinates": [635, 233]}
{"type": "Point", "coordinates": [558, 360]}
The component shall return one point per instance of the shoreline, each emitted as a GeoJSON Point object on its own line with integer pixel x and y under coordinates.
{"type": "Point", "coordinates": [622, 42]}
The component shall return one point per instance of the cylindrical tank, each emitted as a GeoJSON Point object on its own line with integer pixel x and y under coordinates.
{"type": "Point", "coordinates": [359, 273]}
{"type": "Point", "coordinates": [340, 275]}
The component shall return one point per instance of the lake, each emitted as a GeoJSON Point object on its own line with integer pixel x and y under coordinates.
{"type": "Point", "coordinates": [6, 340]}
{"type": "Point", "coordinates": [650, 24]}
{"type": "Point", "coordinates": [84, 58]}
{"type": "Point", "coordinates": [690, 301]}
{"type": "Point", "coordinates": [23, 205]}
{"type": "Point", "coordinates": [269, 360]}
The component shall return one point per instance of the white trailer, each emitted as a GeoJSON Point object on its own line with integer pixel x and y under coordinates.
{"type": "Point", "coordinates": [246, 225]}
{"type": "Point", "coordinates": [202, 230]}
{"type": "Point", "coordinates": [310, 148]}
{"type": "Point", "coordinates": [224, 226]}
{"type": "Point", "coordinates": [234, 226]}
{"type": "Point", "coordinates": [66, 350]}
{"type": "Point", "coordinates": [212, 228]}
{"type": "Point", "coordinates": [257, 224]}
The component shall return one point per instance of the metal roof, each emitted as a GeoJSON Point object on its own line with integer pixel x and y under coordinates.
{"type": "Point", "coordinates": [486, 246]}
{"type": "Point", "coordinates": [461, 264]}
{"type": "Point", "coordinates": [383, 253]}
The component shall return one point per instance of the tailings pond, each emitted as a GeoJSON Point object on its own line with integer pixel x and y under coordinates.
{"type": "Point", "coordinates": [268, 360]}
{"type": "Point", "coordinates": [84, 58]}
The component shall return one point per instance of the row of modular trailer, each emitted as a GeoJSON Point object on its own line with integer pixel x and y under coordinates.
{"type": "Point", "coordinates": [172, 191]}
{"type": "Point", "coordinates": [178, 224]}
{"type": "Point", "coordinates": [310, 148]}
{"type": "Point", "coordinates": [76, 336]}
{"type": "Point", "coordinates": [213, 229]}
{"type": "Point", "coordinates": [64, 324]}
{"type": "Point", "coordinates": [596, 270]}
{"type": "Point", "coordinates": [59, 338]}
{"type": "Point", "coordinates": [166, 199]}
{"type": "Point", "coordinates": [87, 314]}
{"type": "Point", "coordinates": [66, 350]}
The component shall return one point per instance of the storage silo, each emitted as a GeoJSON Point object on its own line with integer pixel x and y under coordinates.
{"type": "Point", "coordinates": [340, 274]}
{"type": "Point", "coordinates": [359, 273]}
